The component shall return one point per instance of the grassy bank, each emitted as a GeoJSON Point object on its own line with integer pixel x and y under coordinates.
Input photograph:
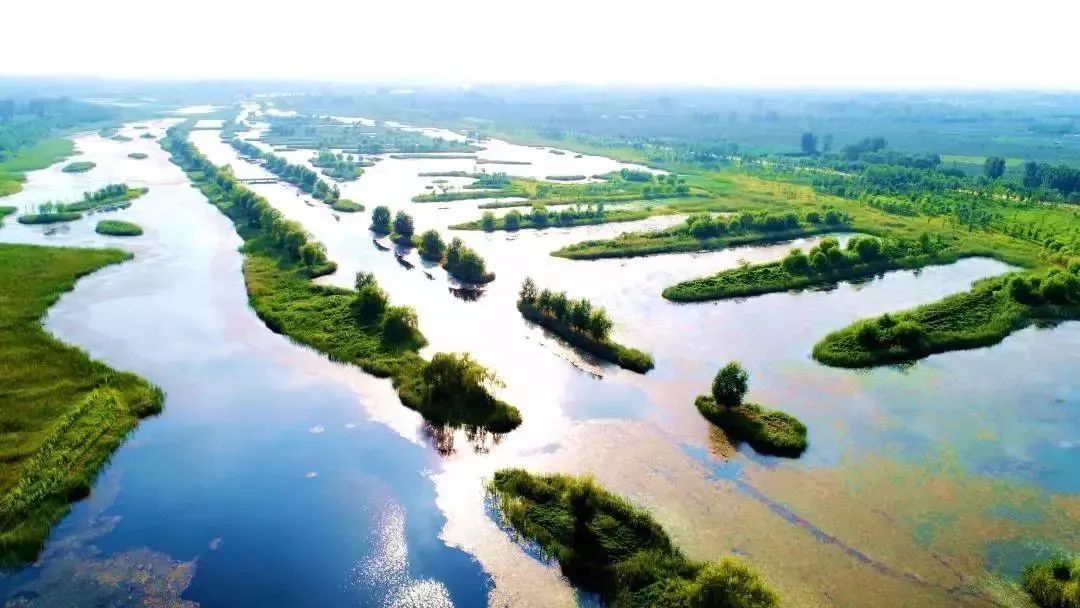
{"type": "Point", "coordinates": [826, 264]}
{"type": "Point", "coordinates": [604, 544]}
{"type": "Point", "coordinates": [986, 315]}
{"type": "Point", "coordinates": [628, 358]}
{"type": "Point", "coordinates": [32, 158]}
{"type": "Point", "coordinates": [61, 413]}
{"type": "Point", "coordinates": [279, 261]}
{"type": "Point", "coordinates": [538, 220]}
{"type": "Point", "coordinates": [767, 431]}
{"type": "Point", "coordinates": [1054, 583]}
{"type": "Point", "coordinates": [118, 228]}
{"type": "Point", "coordinates": [81, 166]}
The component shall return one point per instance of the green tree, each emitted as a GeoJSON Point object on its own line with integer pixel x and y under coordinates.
{"type": "Point", "coordinates": [730, 385]}
{"type": "Point", "coordinates": [403, 224]}
{"type": "Point", "coordinates": [809, 143]}
{"type": "Point", "coordinates": [488, 221]}
{"type": "Point", "coordinates": [432, 246]}
{"type": "Point", "coordinates": [399, 324]}
{"type": "Point", "coordinates": [369, 303]}
{"type": "Point", "coordinates": [513, 220]}
{"type": "Point", "coordinates": [528, 291]}
{"type": "Point", "coordinates": [994, 167]}
{"type": "Point", "coordinates": [380, 219]}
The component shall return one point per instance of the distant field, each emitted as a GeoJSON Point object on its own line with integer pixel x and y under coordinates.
{"type": "Point", "coordinates": [31, 159]}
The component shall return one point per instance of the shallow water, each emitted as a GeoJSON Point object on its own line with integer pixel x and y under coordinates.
{"type": "Point", "coordinates": [920, 483]}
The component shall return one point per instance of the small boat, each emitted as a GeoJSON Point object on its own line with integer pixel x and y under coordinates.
{"type": "Point", "coordinates": [401, 260]}
{"type": "Point", "coordinates": [379, 245]}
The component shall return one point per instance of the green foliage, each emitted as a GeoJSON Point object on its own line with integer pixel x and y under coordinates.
{"type": "Point", "coordinates": [118, 228]}
{"type": "Point", "coordinates": [346, 206]}
{"type": "Point", "coordinates": [767, 431]}
{"type": "Point", "coordinates": [356, 327]}
{"type": "Point", "coordinates": [1054, 583]}
{"type": "Point", "coordinates": [79, 167]}
{"type": "Point", "coordinates": [403, 225]}
{"type": "Point", "coordinates": [604, 544]}
{"type": "Point", "coordinates": [730, 384]}
{"type": "Point", "coordinates": [48, 218]}
{"type": "Point", "coordinates": [464, 264]}
{"type": "Point", "coordinates": [62, 413]}
{"type": "Point", "coordinates": [341, 166]}
{"type": "Point", "coordinates": [380, 220]}
{"type": "Point", "coordinates": [580, 324]}
{"type": "Point", "coordinates": [432, 246]}
{"type": "Point", "coordinates": [567, 216]}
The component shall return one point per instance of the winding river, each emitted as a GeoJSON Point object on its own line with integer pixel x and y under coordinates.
{"type": "Point", "coordinates": [277, 476]}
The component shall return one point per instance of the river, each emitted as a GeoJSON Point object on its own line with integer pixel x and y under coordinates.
{"type": "Point", "coordinates": [276, 476]}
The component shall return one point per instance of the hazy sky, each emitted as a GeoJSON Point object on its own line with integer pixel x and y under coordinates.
{"type": "Point", "coordinates": [860, 43]}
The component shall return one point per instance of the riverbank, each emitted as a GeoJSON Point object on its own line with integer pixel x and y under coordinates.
{"type": "Point", "coordinates": [605, 545]}
{"type": "Point", "coordinates": [283, 296]}
{"type": "Point", "coordinates": [39, 156]}
{"type": "Point", "coordinates": [63, 414]}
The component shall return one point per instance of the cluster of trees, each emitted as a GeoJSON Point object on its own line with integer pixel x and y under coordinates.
{"type": "Point", "coordinates": [494, 181]}
{"type": "Point", "coordinates": [579, 315]}
{"type": "Point", "coordinates": [297, 175]}
{"type": "Point", "coordinates": [325, 132]}
{"type": "Point", "coordinates": [464, 264]}
{"type": "Point", "coordinates": [665, 186]}
{"type": "Point", "coordinates": [636, 175]}
{"type": "Point", "coordinates": [338, 166]}
{"type": "Point", "coordinates": [286, 237]}
{"type": "Point", "coordinates": [1061, 179]}
{"type": "Point", "coordinates": [541, 217]}
{"type": "Point", "coordinates": [24, 122]}
{"type": "Point", "coordinates": [887, 331]}
{"type": "Point", "coordinates": [828, 257]}
{"type": "Point", "coordinates": [705, 226]}
{"type": "Point", "coordinates": [1060, 286]}
{"type": "Point", "coordinates": [371, 306]}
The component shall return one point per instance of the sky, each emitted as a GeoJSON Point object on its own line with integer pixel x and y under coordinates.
{"type": "Point", "coordinates": [749, 43]}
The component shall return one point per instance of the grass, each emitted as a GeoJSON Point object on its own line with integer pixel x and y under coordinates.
{"type": "Point", "coordinates": [49, 218]}
{"type": "Point", "coordinates": [767, 431]}
{"type": "Point", "coordinates": [81, 166]}
{"type": "Point", "coordinates": [118, 228]}
{"type": "Point", "coordinates": [6, 210]}
{"type": "Point", "coordinates": [981, 317]}
{"type": "Point", "coordinates": [139, 155]}
{"type": "Point", "coordinates": [39, 156]}
{"type": "Point", "coordinates": [654, 243]}
{"type": "Point", "coordinates": [346, 206]}
{"type": "Point", "coordinates": [1054, 583]}
{"type": "Point", "coordinates": [628, 358]}
{"type": "Point", "coordinates": [61, 413]}
{"type": "Point", "coordinates": [281, 293]}
{"type": "Point", "coordinates": [605, 545]}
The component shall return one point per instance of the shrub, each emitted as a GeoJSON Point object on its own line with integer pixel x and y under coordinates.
{"type": "Point", "coordinates": [369, 304]}
{"type": "Point", "coordinates": [403, 225]}
{"type": "Point", "coordinates": [380, 219]}
{"type": "Point", "coordinates": [730, 384]}
{"type": "Point", "coordinates": [796, 262]}
{"type": "Point", "coordinates": [399, 324]}
{"type": "Point", "coordinates": [488, 221]}
{"type": "Point", "coordinates": [432, 246]}
{"type": "Point", "coordinates": [1053, 584]}
{"type": "Point", "coordinates": [512, 220]}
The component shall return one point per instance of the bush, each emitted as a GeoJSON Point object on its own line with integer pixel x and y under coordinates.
{"type": "Point", "coordinates": [432, 246]}
{"type": "Point", "coordinates": [380, 219]}
{"type": "Point", "coordinates": [118, 228]}
{"type": "Point", "coordinates": [513, 220]}
{"type": "Point", "coordinates": [403, 225]}
{"type": "Point", "coordinates": [369, 304]}
{"type": "Point", "coordinates": [730, 384]}
{"type": "Point", "coordinates": [1054, 583]}
{"type": "Point", "coordinates": [399, 324]}
{"type": "Point", "coordinates": [488, 221]}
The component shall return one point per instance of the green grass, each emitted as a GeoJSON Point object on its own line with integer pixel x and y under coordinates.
{"type": "Point", "coordinates": [81, 166]}
{"type": "Point", "coordinates": [118, 228]}
{"type": "Point", "coordinates": [281, 293]}
{"type": "Point", "coordinates": [346, 206]}
{"type": "Point", "coordinates": [61, 413]}
{"type": "Point", "coordinates": [981, 317]}
{"type": "Point", "coordinates": [49, 218]}
{"type": "Point", "coordinates": [625, 357]}
{"type": "Point", "coordinates": [1054, 583]}
{"type": "Point", "coordinates": [767, 431]}
{"type": "Point", "coordinates": [6, 210]}
{"type": "Point", "coordinates": [641, 244]}
{"type": "Point", "coordinates": [39, 156]}
{"type": "Point", "coordinates": [605, 545]}
{"type": "Point", "coordinates": [119, 200]}
{"type": "Point", "coordinates": [139, 155]}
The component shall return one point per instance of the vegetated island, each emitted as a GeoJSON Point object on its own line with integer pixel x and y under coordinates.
{"type": "Point", "coordinates": [118, 228]}
{"type": "Point", "coordinates": [343, 167]}
{"type": "Point", "coordinates": [705, 232]}
{"type": "Point", "coordinates": [1054, 583]}
{"type": "Point", "coordinates": [63, 413]}
{"type": "Point", "coordinates": [81, 166]}
{"type": "Point", "coordinates": [605, 545]}
{"type": "Point", "coordinates": [147, 136]}
{"type": "Point", "coordinates": [359, 327]}
{"type": "Point", "coordinates": [139, 155]}
{"type": "Point", "coordinates": [108, 198]}
{"type": "Point", "coordinates": [580, 324]}
{"type": "Point", "coordinates": [541, 217]}
{"type": "Point", "coordinates": [993, 309]}
{"type": "Point", "coordinates": [767, 431]}
{"type": "Point", "coordinates": [459, 261]}
{"type": "Point", "coordinates": [825, 264]}
{"type": "Point", "coordinates": [298, 175]}
{"type": "Point", "coordinates": [626, 185]}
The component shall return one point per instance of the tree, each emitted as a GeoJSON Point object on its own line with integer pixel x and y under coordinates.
{"type": "Point", "coordinates": [796, 262]}
{"type": "Point", "coordinates": [1032, 175]}
{"type": "Point", "coordinates": [513, 220]}
{"type": "Point", "coordinates": [600, 324]}
{"type": "Point", "coordinates": [994, 167]}
{"type": "Point", "coordinates": [380, 219]}
{"type": "Point", "coordinates": [730, 385]}
{"type": "Point", "coordinates": [432, 246]}
{"type": "Point", "coordinates": [488, 221]}
{"type": "Point", "coordinates": [369, 303]}
{"type": "Point", "coordinates": [539, 216]}
{"type": "Point", "coordinates": [363, 279]}
{"type": "Point", "coordinates": [809, 143]}
{"type": "Point", "coordinates": [403, 224]}
{"type": "Point", "coordinates": [528, 291]}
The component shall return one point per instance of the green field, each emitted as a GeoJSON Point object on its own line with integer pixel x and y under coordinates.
{"type": "Point", "coordinates": [35, 157]}
{"type": "Point", "coordinates": [61, 413]}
